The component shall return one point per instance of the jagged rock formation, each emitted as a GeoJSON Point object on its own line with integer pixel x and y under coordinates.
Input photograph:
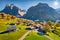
{"type": "Point", "coordinates": [13, 10]}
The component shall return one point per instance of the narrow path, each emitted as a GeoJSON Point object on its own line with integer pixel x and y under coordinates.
{"type": "Point", "coordinates": [24, 35]}
{"type": "Point", "coordinates": [48, 37]}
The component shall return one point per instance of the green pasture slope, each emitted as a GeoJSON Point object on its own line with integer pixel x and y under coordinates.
{"type": "Point", "coordinates": [12, 35]}
{"type": "Point", "coordinates": [35, 36]}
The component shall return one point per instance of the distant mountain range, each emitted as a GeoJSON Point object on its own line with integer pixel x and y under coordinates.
{"type": "Point", "coordinates": [42, 12]}
{"type": "Point", "coordinates": [13, 10]}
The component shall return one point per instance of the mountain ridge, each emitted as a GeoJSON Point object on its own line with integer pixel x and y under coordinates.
{"type": "Point", "coordinates": [13, 10]}
{"type": "Point", "coordinates": [42, 12]}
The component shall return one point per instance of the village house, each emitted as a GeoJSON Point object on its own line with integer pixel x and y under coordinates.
{"type": "Point", "coordinates": [39, 29]}
{"type": "Point", "coordinates": [11, 27]}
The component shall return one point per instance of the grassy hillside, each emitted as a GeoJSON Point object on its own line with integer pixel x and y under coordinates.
{"type": "Point", "coordinates": [5, 21]}
{"type": "Point", "coordinates": [14, 35]}
{"type": "Point", "coordinates": [22, 24]}
{"type": "Point", "coordinates": [54, 36]}
{"type": "Point", "coordinates": [35, 36]}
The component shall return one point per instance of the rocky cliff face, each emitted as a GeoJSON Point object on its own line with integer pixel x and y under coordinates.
{"type": "Point", "coordinates": [13, 10]}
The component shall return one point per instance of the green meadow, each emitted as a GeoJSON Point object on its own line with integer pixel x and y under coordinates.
{"type": "Point", "coordinates": [12, 35]}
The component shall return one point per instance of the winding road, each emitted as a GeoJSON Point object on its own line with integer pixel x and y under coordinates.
{"type": "Point", "coordinates": [24, 35]}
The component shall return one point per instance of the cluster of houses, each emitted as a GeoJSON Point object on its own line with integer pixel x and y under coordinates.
{"type": "Point", "coordinates": [37, 27]}
{"type": "Point", "coordinates": [41, 28]}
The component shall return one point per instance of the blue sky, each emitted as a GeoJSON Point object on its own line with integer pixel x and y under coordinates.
{"type": "Point", "coordinates": [25, 4]}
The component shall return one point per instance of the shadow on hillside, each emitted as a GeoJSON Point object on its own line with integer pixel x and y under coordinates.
{"type": "Point", "coordinates": [6, 32]}
{"type": "Point", "coordinates": [28, 29]}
